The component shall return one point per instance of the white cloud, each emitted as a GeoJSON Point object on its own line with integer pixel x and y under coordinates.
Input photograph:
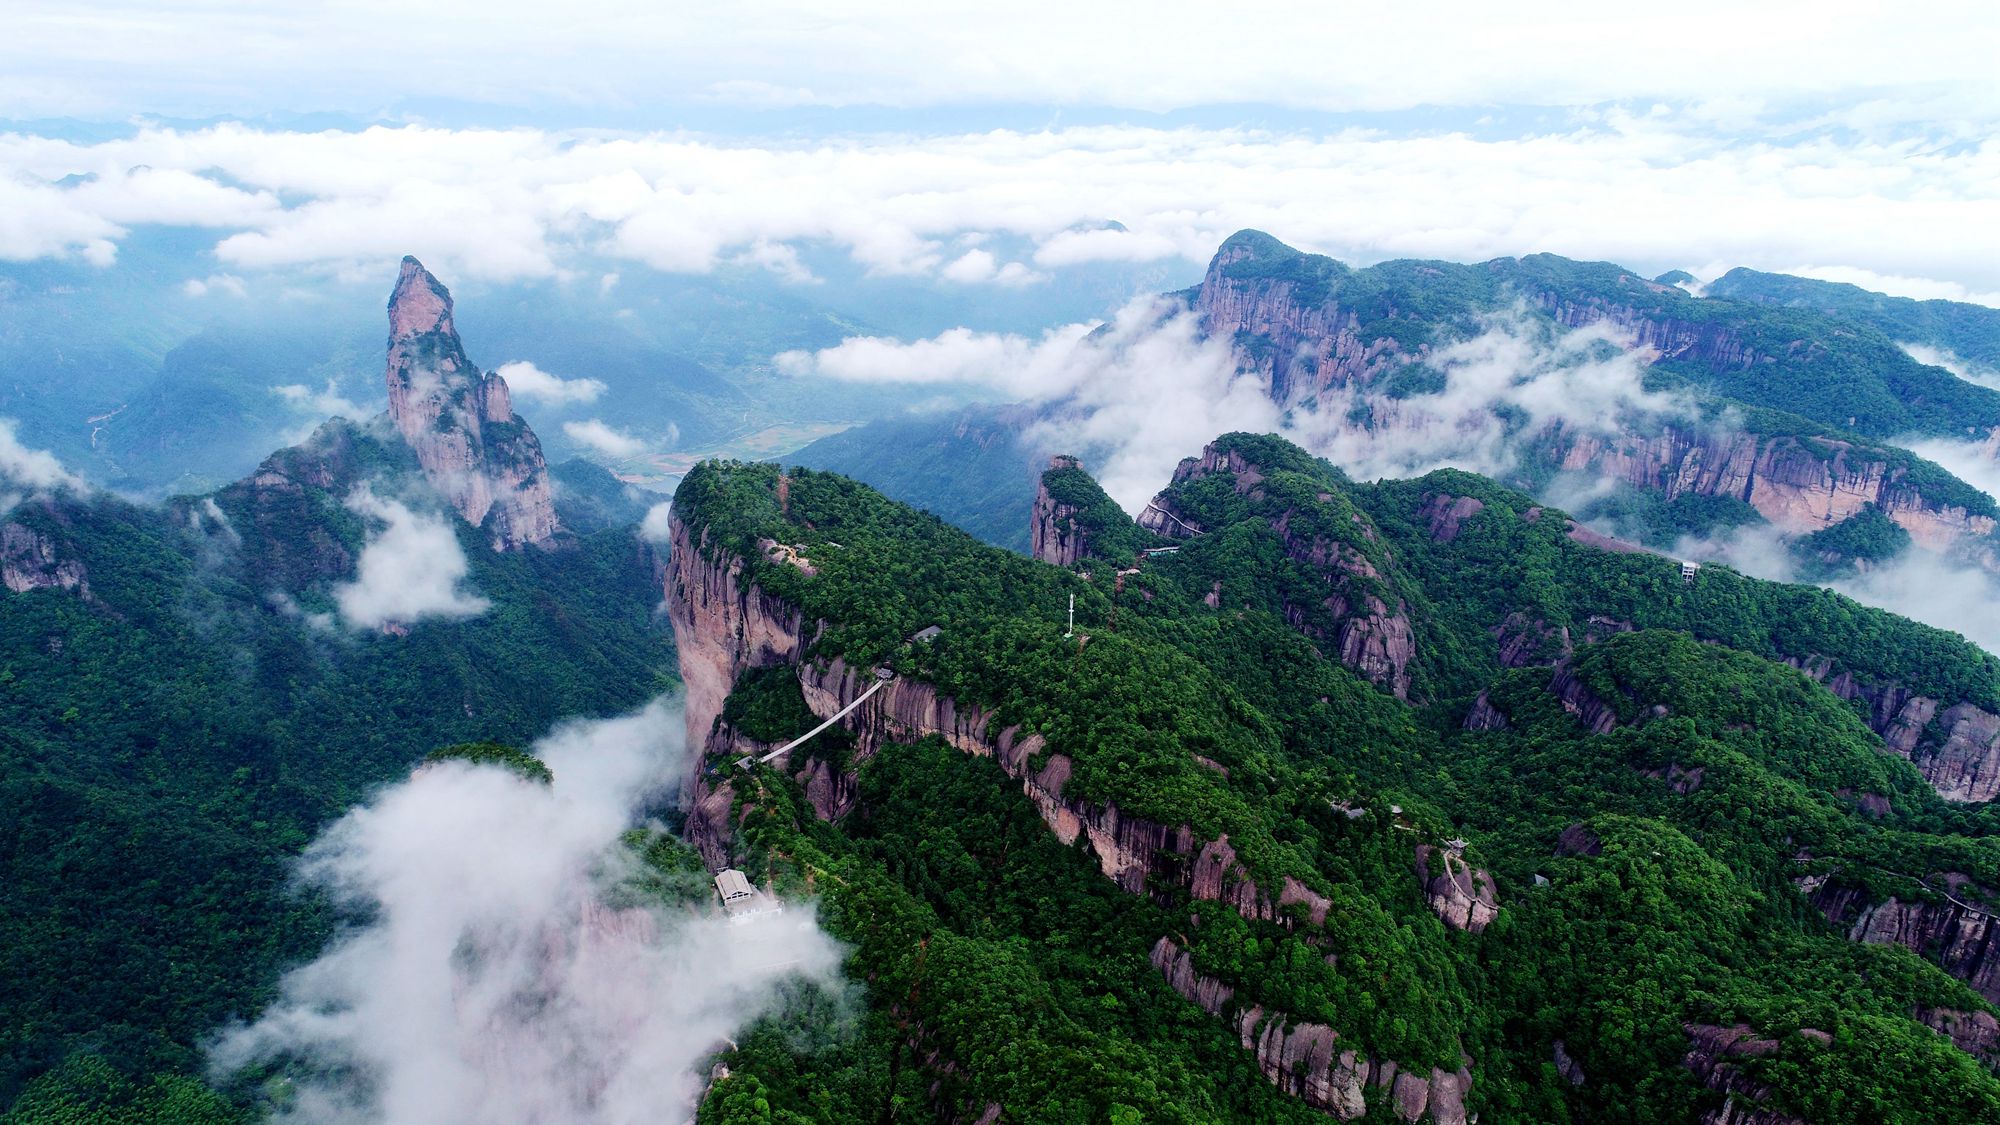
{"type": "Point", "coordinates": [1015, 364]}
{"type": "Point", "coordinates": [979, 266]}
{"type": "Point", "coordinates": [1964, 369]}
{"type": "Point", "coordinates": [34, 469]}
{"type": "Point", "coordinates": [1145, 390]}
{"type": "Point", "coordinates": [594, 434]}
{"type": "Point", "coordinates": [484, 204]}
{"type": "Point", "coordinates": [655, 528]}
{"type": "Point", "coordinates": [114, 57]}
{"type": "Point", "coordinates": [215, 283]}
{"type": "Point", "coordinates": [527, 381]}
{"type": "Point", "coordinates": [494, 979]}
{"type": "Point", "coordinates": [1917, 288]}
{"type": "Point", "coordinates": [780, 259]}
{"type": "Point", "coordinates": [410, 570]}
{"type": "Point", "coordinates": [327, 402]}
{"type": "Point", "coordinates": [1977, 463]}
{"type": "Point", "coordinates": [1140, 392]}
{"type": "Point", "coordinates": [1588, 381]}
{"type": "Point", "coordinates": [1948, 593]}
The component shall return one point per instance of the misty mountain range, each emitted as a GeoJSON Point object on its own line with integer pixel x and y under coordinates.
{"type": "Point", "coordinates": [1344, 798]}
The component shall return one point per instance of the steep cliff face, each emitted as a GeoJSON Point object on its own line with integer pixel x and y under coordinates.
{"type": "Point", "coordinates": [474, 449]}
{"type": "Point", "coordinates": [1054, 536]}
{"type": "Point", "coordinates": [32, 560]}
{"type": "Point", "coordinates": [1349, 617]}
{"type": "Point", "coordinates": [724, 625]}
{"type": "Point", "coordinates": [1955, 747]}
{"type": "Point", "coordinates": [1301, 346]}
{"type": "Point", "coordinates": [1296, 325]}
{"type": "Point", "coordinates": [1800, 485]}
{"type": "Point", "coordinates": [1304, 1059]}
{"type": "Point", "coordinates": [1957, 932]}
{"type": "Point", "coordinates": [1715, 1056]}
{"type": "Point", "coordinates": [1975, 1033]}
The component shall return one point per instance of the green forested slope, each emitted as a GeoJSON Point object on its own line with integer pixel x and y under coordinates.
{"type": "Point", "coordinates": [169, 743]}
{"type": "Point", "coordinates": [1648, 877]}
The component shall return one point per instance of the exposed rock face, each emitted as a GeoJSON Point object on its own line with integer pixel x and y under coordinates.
{"type": "Point", "coordinates": [1312, 346]}
{"type": "Point", "coordinates": [1963, 766]}
{"type": "Point", "coordinates": [474, 449]}
{"type": "Point", "coordinates": [722, 626]}
{"type": "Point", "coordinates": [31, 560]}
{"type": "Point", "coordinates": [1799, 484]}
{"type": "Point", "coordinates": [1305, 344]}
{"type": "Point", "coordinates": [1966, 765]}
{"type": "Point", "coordinates": [1975, 1033]}
{"type": "Point", "coordinates": [1054, 536]}
{"type": "Point", "coordinates": [1484, 716]}
{"type": "Point", "coordinates": [1462, 895]}
{"type": "Point", "coordinates": [1446, 514]}
{"type": "Point", "coordinates": [1353, 623]}
{"type": "Point", "coordinates": [1577, 699]}
{"type": "Point", "coordinates": [1958, 933]}
{"type": "Point", "coordinates": [1714, 1055]}
{"type": "Point", "coordinates": [1567, 1066]}
{"type": "Point", "coordinates": [1578, 839]}
{"type": "Point", "coordinates": [1304, 1060]}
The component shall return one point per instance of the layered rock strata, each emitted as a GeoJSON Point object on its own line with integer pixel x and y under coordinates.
{"type": "Point", "coordinates": [1716, 1054]}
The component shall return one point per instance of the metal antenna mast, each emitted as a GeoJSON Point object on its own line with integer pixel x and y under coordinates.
{"type": "Point", "coordinates": [1072, 618]}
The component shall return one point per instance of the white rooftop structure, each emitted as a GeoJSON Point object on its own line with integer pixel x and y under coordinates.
{"type": "Point", "coordinates": [739, 899]}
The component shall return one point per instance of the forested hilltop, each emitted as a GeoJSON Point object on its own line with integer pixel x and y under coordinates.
{"type": "Point", "coordinates": [1411, 800]}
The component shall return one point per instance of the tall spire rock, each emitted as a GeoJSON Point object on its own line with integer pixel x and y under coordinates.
{"type": "Point", "coordinates": [476, 451]}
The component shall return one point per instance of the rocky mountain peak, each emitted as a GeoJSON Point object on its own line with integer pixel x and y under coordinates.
{"type": "Point", "coordinates": [419, 304]}
{"type": "Point", "coordinates": [475, 450]}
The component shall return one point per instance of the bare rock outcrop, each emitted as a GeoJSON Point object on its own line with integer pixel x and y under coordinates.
{"type": "Point", "coordinates": [32, 560]}
{"type": "Point", "coordinates": [1576, 698]}
{"type": "Point", "coordinates": [1446, 514]}
{"type": "Point", "coordinates": [1459, 893]}
{"type": "Point", "coordinates": [1484, 716]}
{"type": "Point", "coordinates": [1304, 1058]}
{"type": "Point", "coordinates": [1054, 535]}
{"type": "Point", "coordinates": [1800, 484]}
{"type": "Point", "coordinates": [1975, 1033]}
{"type": "Point", "coordinates": [1313, 346]}
{"type": "Point", "coordinates": [1956, 929]}
{"type": "Point", "coordinates": [1715, 1055]}
{"type": "Point", "coordinates": [1963, 765]}
{"type": "Point", "coordinates": [478, 453]}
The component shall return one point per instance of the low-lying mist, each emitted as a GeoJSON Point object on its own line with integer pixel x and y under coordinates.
{"type": "Point", "coordinates": [501, 971]}
{"type": "Point", "coordinates": [1135, 395]}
